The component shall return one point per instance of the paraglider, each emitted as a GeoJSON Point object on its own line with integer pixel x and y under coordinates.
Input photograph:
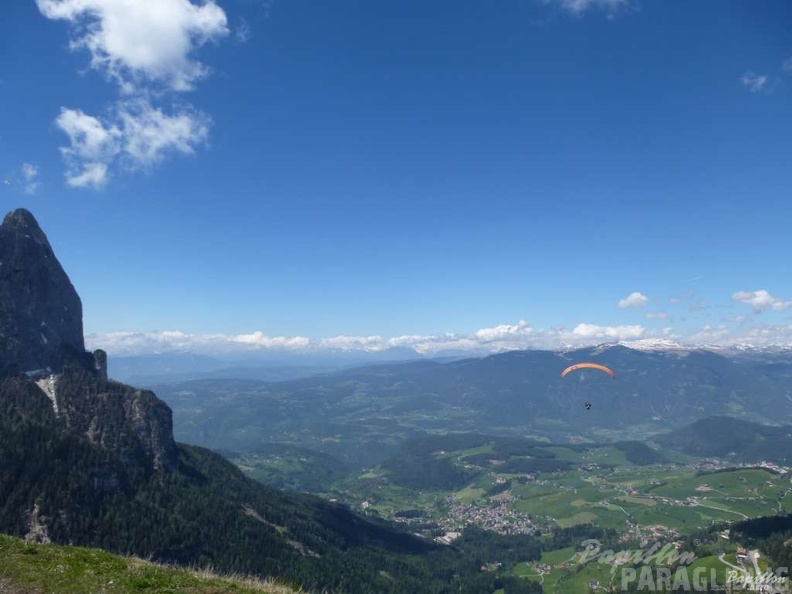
{"type": "Point", "coordinates": [597, 366]}
{"type": "Point", "coordinates": [576, 366]}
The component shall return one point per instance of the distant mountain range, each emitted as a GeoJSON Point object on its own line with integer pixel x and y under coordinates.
{"type": "Point", "coordinates": [170, 367]}
{"type": "Point", "coordinates": [177, 367]}
{"type": "Point", "coordinates": [280, 365]}
{"type": "Point", "coordinates": [361, 415]}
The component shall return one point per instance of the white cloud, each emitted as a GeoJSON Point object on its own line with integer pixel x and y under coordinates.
{"type": "Point", "coordinates": [90, 138]}
{"type": "Point", "coordinates": [266, 5]}
{"type": "Point", "coordinates": [699, 304]}
{"type": "Point", "coordinates": [136, 135]}
{"type": "Point", "coordinates": [761, 300]}
{"type": "Point", "coordinates": [91, 175]}
{"type": "Point", "coordinates": [592, 331]}
{"type": "Point", "coordinates": [787, 66]}
{"type": "Point", "coordinates": [242, 33]}
{"type": "Point", "coordinates": [27, 178]}
{"type": "Point", "coordinates": [767, 336]}
{"type": "Point", "coordinates": [29, 174]}
{"type": "Point", "coordinates": [674, 299]}
{"type": "Point", "coordinates": [578, 7]}
{"type": "Point", "coordinates": [260, 340]}
{"type": "Point", "coordinates": [735, 319]}
{"type": "Point", "coordinates": [635, 299]}
{"type": "Point", "coordinates": [353, 343]}
{"type": "Point", "coordinates": [759, 335]}
{"type": "Point", "coordinates": [148, 134]}
{"type": "Point", "coordinates": [93, 145]}
{"type": "Point", "coordinates": [754, 82]}
{"type": "Point", "coordinates": [712, 335]}
{"type": "Point", "coordinates": [136, 42]}
{"type": "Point", "coordinates": [147, 48]}
{"type": "Point", "coordinates": [656, 315]}
{"type": "Point", "coordinates": [504, 332]}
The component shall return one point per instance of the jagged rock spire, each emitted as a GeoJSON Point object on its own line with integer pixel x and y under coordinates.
{"type": "Point", "coordinates": [40, 311]}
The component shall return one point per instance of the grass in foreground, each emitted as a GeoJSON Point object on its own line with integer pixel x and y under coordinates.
{"type": "Point", "coordinates": [55, 569]}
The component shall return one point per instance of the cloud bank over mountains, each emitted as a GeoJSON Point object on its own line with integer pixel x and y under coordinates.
{"type": "Point", "coordinates": [486, 340]}
{"type": "Point", "coordinates": [732, 330]}
{"type": "Point", "coordinates": [505, 337]}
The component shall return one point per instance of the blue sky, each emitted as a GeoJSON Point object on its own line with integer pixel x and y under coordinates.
{"type": "Point", "coordinates": [474, 174]}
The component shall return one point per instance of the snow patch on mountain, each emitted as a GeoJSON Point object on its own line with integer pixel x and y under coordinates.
{"type": "Point", "coordinates": [655, 344]}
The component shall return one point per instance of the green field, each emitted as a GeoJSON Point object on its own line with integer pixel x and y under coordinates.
{"type": "Point", "coordinates": [558, 556]}
{"type": "Point", "coordinates": [469, 493]}
{"type": "Point", "coordinates": [567, 454]}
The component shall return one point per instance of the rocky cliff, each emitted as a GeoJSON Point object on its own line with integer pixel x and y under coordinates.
{"type": "Point", "coordinates": [41, 339]}
{"type": "Point", "coordinates": [40, 311]}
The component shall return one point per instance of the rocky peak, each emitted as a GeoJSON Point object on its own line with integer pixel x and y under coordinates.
{"type": "Point", "coordinates": [40, 311]}
{"type": "Point", "coordinates": [41, 337]}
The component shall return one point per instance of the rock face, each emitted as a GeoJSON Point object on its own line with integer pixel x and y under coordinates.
{"type": "Point", "coordinates": [40, 312]}
{"type": "Point", "coordinates": [120, 418]}
{"type": "Point", "coordinates": [41, 337]}
{"type": "Point", "coordinates": [100, 364]}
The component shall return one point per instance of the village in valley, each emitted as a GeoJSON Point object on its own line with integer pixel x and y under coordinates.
{"type": "Point", "coordinates": [645, 504]}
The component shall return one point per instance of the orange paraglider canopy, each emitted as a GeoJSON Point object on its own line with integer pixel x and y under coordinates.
{"type": "Point", "coordinates": [602, 368]}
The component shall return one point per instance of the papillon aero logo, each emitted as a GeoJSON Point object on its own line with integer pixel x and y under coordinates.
{"type": "Point", "coordinates": [661, 567]}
